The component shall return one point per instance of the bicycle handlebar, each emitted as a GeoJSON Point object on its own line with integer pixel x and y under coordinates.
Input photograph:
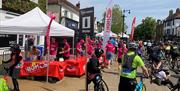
{"type": "Point", "coordinates": [141, 76]}
{"type": "Point", "coordinates": [176, 76]}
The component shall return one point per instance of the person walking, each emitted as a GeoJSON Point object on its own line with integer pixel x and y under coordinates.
{"type": "Point", "coordinates": [110, 50]}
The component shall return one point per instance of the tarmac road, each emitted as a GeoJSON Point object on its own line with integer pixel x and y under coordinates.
{"type": "Point", "coordinates": [111, 76]}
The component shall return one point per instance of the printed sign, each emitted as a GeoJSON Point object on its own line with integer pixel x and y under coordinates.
{"type": "Point", "coordinates": [108, 19]}
{"type": "Point", "coordinates": [86, 22]}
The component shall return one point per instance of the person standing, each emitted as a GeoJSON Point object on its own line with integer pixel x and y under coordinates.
{"type": "Point", "coordinates": [122, 50]}
{"type": "Point", "coordinates": [66, 50]}
{"type": "Point", "coordinates": [53, 49]}
{"type": "Point", "coordinates": [128, 73]}
{"type": "Point", "coordinates": [79, 47]}
{"type": "Point", "coordinates": [14, 69]}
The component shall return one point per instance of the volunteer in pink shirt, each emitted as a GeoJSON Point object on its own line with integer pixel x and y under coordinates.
{"type": "Point", "coordinates": [53, 48]}
{"type": "Point", "coordinates": [66, 50]}
{"type": "Point", "coordinates": [110, 50]}
{"type": "Point", "coordinates": [121, 48]}
{"type": "Point", "coordinates": [90, 49]}
{"type": "Point", "coordinates": [99, 45]}
{"type": "Point", "coordinates": [79, 49]}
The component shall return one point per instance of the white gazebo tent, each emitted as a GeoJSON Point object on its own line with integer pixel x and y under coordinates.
{"type": "Point", "coordinates": [124, 35]}
{"type": "Point", "coordinates": [34, 22]}
{"type": "Point", "coordinates": [102, 34]}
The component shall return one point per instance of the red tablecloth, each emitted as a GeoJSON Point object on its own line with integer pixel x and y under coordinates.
{"type": "Point", "coordinates": [75, 67]}
{"type": "Point", "coordinates": [39, 68]}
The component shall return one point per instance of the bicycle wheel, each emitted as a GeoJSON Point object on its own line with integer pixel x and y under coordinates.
{"type": "Point", "coordinates": [144, 87]}
{"type": "Point", "coordinates": [178, 63]}
{"type": "Point", "coordinates": [103, 86]}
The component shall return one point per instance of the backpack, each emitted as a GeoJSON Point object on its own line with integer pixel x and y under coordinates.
{"type": "Point", "coordinates": [176, 51]}
{"type": "Point", "coordinates": [127, 65]}
{"type": "Point", "coordinates": [156, 54]}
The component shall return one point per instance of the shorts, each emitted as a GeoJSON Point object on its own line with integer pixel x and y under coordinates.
{"type": "Point", "coordinates": [110, 56]}
{"type": "Point", "coordinates": [120, 60]}
{"type": "Point", "coordinates": [127, 84]}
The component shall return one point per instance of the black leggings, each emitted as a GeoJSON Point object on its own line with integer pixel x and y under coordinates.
{"type": "Point", "coordinates": [16, 85]}
{"type": "Point", "coordinates": [127, 84]}
{"type": "Point", "coordinates": [167, 82]}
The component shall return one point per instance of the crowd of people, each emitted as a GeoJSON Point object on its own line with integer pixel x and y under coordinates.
{"type": "Point", "coordinates": [129, 56]}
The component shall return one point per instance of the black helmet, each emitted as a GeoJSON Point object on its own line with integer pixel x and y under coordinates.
{"type": "Point", "coordinates": [132, 46]}
{"type": "Point", "coordinates": [98, 52]}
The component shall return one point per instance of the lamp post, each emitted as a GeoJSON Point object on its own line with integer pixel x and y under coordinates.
{"type": "Point", "coordinates": [123, 15]}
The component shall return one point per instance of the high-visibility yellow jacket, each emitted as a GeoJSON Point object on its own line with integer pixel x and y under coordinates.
{"type": "Point", "coordinates": [3, 85]}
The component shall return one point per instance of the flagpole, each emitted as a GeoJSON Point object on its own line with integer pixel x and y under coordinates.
{"type": "Point", "coordinates": [52, 16]}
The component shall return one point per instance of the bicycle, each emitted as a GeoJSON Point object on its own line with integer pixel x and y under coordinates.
{"type": "Point", "coordinates": [175, 64]}
{"type": "Point", "coordinates": [176, 87]}
{"type": "Point", "coordinates": [101, 86]}
{"type": "Point", "coordinates": [140, 86]}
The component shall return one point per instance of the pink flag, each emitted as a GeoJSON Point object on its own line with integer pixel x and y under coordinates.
{"type": "Point", "coordinates": [52, 16]}
{"type": "Point", "coordinates": [133, 27]}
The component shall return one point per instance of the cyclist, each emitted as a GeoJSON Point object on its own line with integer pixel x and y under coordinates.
{"type": "Point", "coordinates": [93, 67]}
{"type": "Point", "coordinates": [129, 69]}
{"type": "Point", "coordinates": [168, 49]}
{"type": "Point", "coordinates": [174, 52]}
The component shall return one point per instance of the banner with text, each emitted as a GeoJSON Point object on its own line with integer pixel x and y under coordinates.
{"type": "Point", "coordinates": [132, 30]}
{"type": "Point", "coordinates": [107, 29]}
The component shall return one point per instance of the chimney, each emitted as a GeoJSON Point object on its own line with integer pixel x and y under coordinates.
{"type": "Point", "coordinates": [78, 5]}
{"type": "Point", "coordinates": [177, 10]}
{"type": "Point", "coordinates": [170, 12]}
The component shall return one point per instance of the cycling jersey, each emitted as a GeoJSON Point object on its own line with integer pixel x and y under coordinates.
{"type": "Point", "coordinates": [168, 48]}
{"type": "Point", "coordinates": [3, 85]}
{"type": "Point", "coordinates": [136, 62]}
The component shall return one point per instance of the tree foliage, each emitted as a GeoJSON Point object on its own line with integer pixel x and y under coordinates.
{"type": "Point", "coordinates": [23, 6]}
{"type": "Point", "coordinates": [146, 30]}
{"type": "Point", "coordinates": [117, 20]}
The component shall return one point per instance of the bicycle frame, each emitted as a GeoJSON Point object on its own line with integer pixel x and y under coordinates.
{"type": "Point", "coordinates": [139, 86]}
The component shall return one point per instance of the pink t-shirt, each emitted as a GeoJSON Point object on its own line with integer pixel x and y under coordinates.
{"type": "Point", "coordinates": [53, 48]}
{"type": "Point", "coordinates": [66, 48]}
{"type": "Point", "coordinates": [78, 47]}
{"type": "Point", "coordinates": [120, 52]}
{"type": "Point", "coordinates": [89, 49]}
{"type": "Point", "coordinates": [110, 48]}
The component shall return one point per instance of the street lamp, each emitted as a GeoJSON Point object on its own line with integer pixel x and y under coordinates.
{"type": "Point", "coordinates": [123, 15]}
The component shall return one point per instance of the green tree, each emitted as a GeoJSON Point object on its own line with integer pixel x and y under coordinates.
{"type": "Point", "coordinates": [146, 30]}
{"type": "Point", "coordinates": [117, 20]}
{"type": "Point", "coordinates": [23, 6]}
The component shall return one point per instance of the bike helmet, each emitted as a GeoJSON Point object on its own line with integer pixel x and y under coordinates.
{"type": "Point", "coordinates": [132, 46]}
{"type": "Point", "coordinates": [98, 52]}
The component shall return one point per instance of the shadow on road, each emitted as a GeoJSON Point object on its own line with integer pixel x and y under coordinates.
{"type": "Point", "coordinates": [110, 72]}
{"type": "Point", "coordinates": [46, 89]}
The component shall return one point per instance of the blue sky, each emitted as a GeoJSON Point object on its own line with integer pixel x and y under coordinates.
{"type": "Point", "coordinates": [158, 9]}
